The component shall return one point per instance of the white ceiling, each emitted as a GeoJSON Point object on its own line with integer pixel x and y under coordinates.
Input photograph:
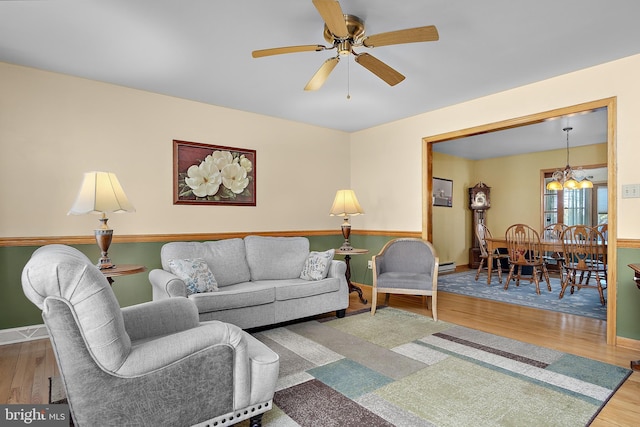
{"type": "Point", "coordinates": [587, 128]}
{"type": "Point", "coordinates": [201, 50]}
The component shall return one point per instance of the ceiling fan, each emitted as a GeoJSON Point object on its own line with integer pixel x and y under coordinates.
{"type": "Point", "coordinates": [345, 32]}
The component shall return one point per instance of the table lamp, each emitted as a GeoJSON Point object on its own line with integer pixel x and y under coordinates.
{"type": "Point", "coordinates": [100, 193]}
{"type": "Point", "coordinates": [345, 204]}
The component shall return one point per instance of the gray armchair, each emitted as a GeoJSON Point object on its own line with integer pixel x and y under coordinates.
{"type": "Point", "coordinates": [406, 266]}
{"type": "Point", "coordinates": [150, 364]}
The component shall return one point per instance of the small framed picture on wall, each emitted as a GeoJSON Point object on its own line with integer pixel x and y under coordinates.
{"type": "Point", "coordinates": [442, 192]}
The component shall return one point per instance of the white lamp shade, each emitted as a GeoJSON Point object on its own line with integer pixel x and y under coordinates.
{"type": "Point", "coordinates": [100, 192]}
{"type": "Point", "coordinates": [345, 203]}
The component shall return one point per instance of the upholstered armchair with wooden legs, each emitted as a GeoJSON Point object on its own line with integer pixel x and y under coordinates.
{"type": "Point", "coordinates": [151, 364]}
{"type": "Point", "coordinates": [406, 266]}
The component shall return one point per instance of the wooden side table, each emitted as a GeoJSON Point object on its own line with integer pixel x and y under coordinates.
{"type": "Point", "coordinates": [635, 364]}
{"type": "Point", "coordinates": [122, 270]}
{"type": "Point", "coordinates": [347, 258]}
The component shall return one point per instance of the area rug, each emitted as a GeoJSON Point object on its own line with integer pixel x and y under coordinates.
{"type": "Point", "coordinates": [585, 302]}
{"type": "Point", "coordinates": [403, 369]}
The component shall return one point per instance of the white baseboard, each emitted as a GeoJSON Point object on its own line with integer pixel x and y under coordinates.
{"type": "Point", "coordinates": [22, 334]}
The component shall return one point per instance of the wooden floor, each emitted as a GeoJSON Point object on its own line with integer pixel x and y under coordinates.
{"type": "Point", "coordinates": [25, 367]}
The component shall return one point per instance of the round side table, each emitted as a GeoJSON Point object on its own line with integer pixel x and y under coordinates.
{"type": "Point", "coordinates": [347, 257]}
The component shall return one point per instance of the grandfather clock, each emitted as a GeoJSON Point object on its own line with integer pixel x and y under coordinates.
{"type": "Point", "coordinates": [479, 202]}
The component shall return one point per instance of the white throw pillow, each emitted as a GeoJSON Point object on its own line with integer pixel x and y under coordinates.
{"type": "Point", "coordinates": [195, 273]}
{"type": "Point", "coordinates": [316, 267]}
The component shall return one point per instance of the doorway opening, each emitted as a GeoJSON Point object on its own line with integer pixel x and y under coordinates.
{"type": "Point", "coordinates": [610, 105]}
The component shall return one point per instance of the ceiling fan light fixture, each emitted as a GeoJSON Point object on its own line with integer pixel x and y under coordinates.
{"type": "Point", "coordinates": [346, 32]}
{"type": "Point", "coordinates": [344, 47]}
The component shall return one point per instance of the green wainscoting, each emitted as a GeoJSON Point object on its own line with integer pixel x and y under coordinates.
{"type": "Point", "coordinates": [17, 311]}
{"type": "Point", "coordinates": [628, 318]}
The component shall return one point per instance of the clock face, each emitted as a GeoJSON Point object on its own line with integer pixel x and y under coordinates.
{"type": "Point", "coordinates": [479, 198]}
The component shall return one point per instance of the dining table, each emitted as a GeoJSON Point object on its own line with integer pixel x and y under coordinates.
{"type": "Point", "coordinates": [495, 243]}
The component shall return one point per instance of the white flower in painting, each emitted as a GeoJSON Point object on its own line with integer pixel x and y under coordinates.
{"type": "Point", "coordinates": [246, 163]}
{"type": "Point", "coordinates": [221, 158]}
{"type": "Point", "coordinates": [205, 179]}
{"type": "Point", "coordinates": [234, 177]}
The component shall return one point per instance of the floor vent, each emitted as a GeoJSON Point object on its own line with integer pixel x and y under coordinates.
{"type": "Point", "coordinates": [447, 267]}
{"type": "Point", "coordinates": [22, 334]}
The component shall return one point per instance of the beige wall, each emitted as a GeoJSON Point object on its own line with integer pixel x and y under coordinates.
{"type": "Point", "coordinates": [515, 183]}
{"type": "Point", "coordinates": [515, 193]}
{"type": "Point", "coordinates": [55, 127]}
{"type": "Point", "coordinates": [452, 226]}
{"type": "Point", "coordinates": [391, 181]}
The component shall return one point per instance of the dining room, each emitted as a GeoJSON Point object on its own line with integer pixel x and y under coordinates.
{"type": "Point", "coordinates": [517, 162]}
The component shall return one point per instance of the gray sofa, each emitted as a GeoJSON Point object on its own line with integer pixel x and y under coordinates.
{"type": "Point", "coordinates": [257, 280]}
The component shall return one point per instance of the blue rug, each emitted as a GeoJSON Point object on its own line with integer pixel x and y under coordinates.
{"type": "Point", "coordinates": [585, 302]}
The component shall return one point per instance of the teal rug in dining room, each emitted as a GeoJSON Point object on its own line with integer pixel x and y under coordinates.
{"type": "Point", "coordinates": [403, 369]}
{"type": "Point", "coordinates": [584, 302]}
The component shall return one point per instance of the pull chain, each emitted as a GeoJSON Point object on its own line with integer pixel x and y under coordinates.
{"type": "Point", "coordinates": [348, 79]}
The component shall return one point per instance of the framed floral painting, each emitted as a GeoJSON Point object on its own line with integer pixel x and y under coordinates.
{"type": "Point", "coordinates": [207, 174]}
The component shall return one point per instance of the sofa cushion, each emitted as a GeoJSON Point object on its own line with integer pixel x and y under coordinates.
{"type": "Point", "coordinates": [228, 261]}
{"type": "Point", "coordinates": [275, 258]}
{"type": "Point", "coordinates": [301, 288]}
{"type": "Point", "coordinates": [317, 265]}
{"type": "Point", "coordinates": [226, 258]}
{"type": "Point", "coordinates": [195, 273]}
{"type": "Point", "coordinates": [239, 295]}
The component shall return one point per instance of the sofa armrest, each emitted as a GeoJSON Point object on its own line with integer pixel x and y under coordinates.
{"type": "Point", "coordinates": [338, 268]}
{"type": "Point", "coordinates": [166, 285]}
{"type": "Point", "coordinates": [155, 318]}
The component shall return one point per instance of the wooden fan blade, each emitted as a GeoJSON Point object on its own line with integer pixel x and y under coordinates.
{"type": "Point", "coordinates": [332, 15]}
{"type": "Point", "coordinates": [287, 49]}
{"type": "Point", "coordinates": [321, 75]}
{"type": "Point", "coordinates": [410, 35]}
{"type": "Point", "coordinates": [379, 68]}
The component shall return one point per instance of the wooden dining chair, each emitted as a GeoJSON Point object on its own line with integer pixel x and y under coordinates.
{"type": "Point", "coordinates": [585, 250]}
{"type": "Point", "coordinates": [525, 251]}
{"type": "Point", "coordinates": [554, 232]}
{"type": "Point", "coordinates": [483, 233]}
{"type": "Point", "coordinates": [604, 230]}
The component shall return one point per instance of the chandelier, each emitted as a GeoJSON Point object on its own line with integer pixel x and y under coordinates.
{"type": "Point", "coordinates": [568, 179]}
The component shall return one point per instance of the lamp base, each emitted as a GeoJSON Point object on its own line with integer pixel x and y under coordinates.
{"type": "Point", "coordinates": [346, 246]}
{"type": "Point", "coordinates": [103, 239]}
{"type": "Point", "coordinates": [346, 232]}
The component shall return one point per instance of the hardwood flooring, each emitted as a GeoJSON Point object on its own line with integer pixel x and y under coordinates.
{"type": "Point", "coordinates": [26, 367]}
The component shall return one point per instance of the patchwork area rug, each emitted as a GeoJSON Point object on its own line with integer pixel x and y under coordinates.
{"type": "Point", "coordinates": [585, 302]}
{"type": "Point", "coordinates": [403, 369]}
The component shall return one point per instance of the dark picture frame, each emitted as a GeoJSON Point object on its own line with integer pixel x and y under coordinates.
{"type": "Point", "coordinates": [206, 174]}
{"type": "Point", "coordinates": [442, 192]}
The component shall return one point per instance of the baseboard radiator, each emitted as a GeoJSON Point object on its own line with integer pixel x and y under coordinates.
{"type": "Point", "coordinates": [22, 334]}
{"type": "Point", "coordinates": [446, 267]}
